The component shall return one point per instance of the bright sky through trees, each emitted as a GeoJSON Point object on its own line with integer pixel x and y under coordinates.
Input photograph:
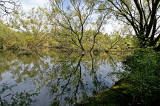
{"type": "Point", "coordinates": [28, 4]}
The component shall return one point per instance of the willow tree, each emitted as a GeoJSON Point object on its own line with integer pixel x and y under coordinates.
{"type": "Point", "coordinates": [77, 16]}
{"type": "Point", "coordinates": [33, 26]}
{"type": "Point", "coordinates": [143, 16]}
{"type": "Point", "coordinates": [34, 22]}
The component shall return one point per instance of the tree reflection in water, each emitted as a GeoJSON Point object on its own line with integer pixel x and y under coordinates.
{"type": "Point", "coordinates": [54, 78]}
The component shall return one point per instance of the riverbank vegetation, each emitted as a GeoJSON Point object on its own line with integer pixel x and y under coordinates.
{"type": "Point", "coordinates": [78, 25]}
{"type": "Point", "coordinates": [139, 84]}
{"type": "Point", "coordinates": [11, 39]}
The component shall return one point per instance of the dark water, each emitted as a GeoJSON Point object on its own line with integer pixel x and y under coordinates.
{"type": "Point", "coordinates": [54, 78]}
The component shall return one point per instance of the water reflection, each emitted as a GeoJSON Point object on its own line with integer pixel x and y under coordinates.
{"type": "Point", "coordinates": [54, 78]}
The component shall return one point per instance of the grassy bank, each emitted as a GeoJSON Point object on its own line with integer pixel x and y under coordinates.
{"type": "Point", "coordinates": [116, 96]}
{"type": "Point", "coordinates": [139, 84]}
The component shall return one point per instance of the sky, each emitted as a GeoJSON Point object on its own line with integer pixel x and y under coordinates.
{"type": "Point", "coordinates": [28, 4]}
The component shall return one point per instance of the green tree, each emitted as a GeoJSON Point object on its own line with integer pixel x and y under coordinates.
{"type": "Point", "coordinates": [142, 16]}
{"type": "Point", "coordinates": [33, 25]}
{"type": "Point", "coordinates": [77, 16]}
{"type": "Point", "coordinates": [35, 22]}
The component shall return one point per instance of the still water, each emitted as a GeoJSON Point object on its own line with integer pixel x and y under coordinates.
{"type": "Point", "coordinates": [54, 78]}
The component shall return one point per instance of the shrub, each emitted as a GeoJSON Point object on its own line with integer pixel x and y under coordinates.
{"type": "Point", "coordinates": [142, 71]}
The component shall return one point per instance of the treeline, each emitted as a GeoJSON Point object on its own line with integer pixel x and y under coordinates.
{"type": "Point", "coordinates": [33, 30]}
{"type": "Point", "coordinates": [71, 28]}
{"type": "Point", "coordinates": [79, 23]}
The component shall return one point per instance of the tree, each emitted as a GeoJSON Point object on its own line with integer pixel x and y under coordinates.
{"type": "Point", "coordinates": [143, 16]}
{"type": "Point", "coordinates": [77, 16]}
{"type": "Point", "coordinates": [34, 26]}
{"type": "Point", "coordinates": [35, 22]}
{"type": "Point", "coordinates": [8, 6]}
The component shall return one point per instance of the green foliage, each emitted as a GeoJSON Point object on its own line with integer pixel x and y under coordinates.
{"type": "Point", "coordinates": [142, 72]}
{"type": "Point", "coordinates": [137, 15]}
{"type": "Point", "coordinates": [34, 22]}
{"type": "Point", "coordinates": [8, 37]}
{"type": "Point", "coordinates": [77, 16]}
{"type": "Point", "coordinates": [39, 28]}
{"type": "Point", "coordinates": [12, 39]}
{"type": "Point", "coordinates": [115, 41]}
{"type": "Point", "coordinates": [26, 31]}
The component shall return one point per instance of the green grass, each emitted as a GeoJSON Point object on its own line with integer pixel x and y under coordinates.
{"type": "Point", "coordinates": [116, 96]}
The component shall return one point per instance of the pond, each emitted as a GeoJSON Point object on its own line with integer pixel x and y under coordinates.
{"type": "Point", "coordinates": [54, 77]}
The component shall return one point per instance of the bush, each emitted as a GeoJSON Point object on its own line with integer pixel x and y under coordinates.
{"type": "Point", "coordinates": [143, 73]}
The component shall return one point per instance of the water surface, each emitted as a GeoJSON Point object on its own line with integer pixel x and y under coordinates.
{"type": "Point", "coordinates": [54, 78]}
